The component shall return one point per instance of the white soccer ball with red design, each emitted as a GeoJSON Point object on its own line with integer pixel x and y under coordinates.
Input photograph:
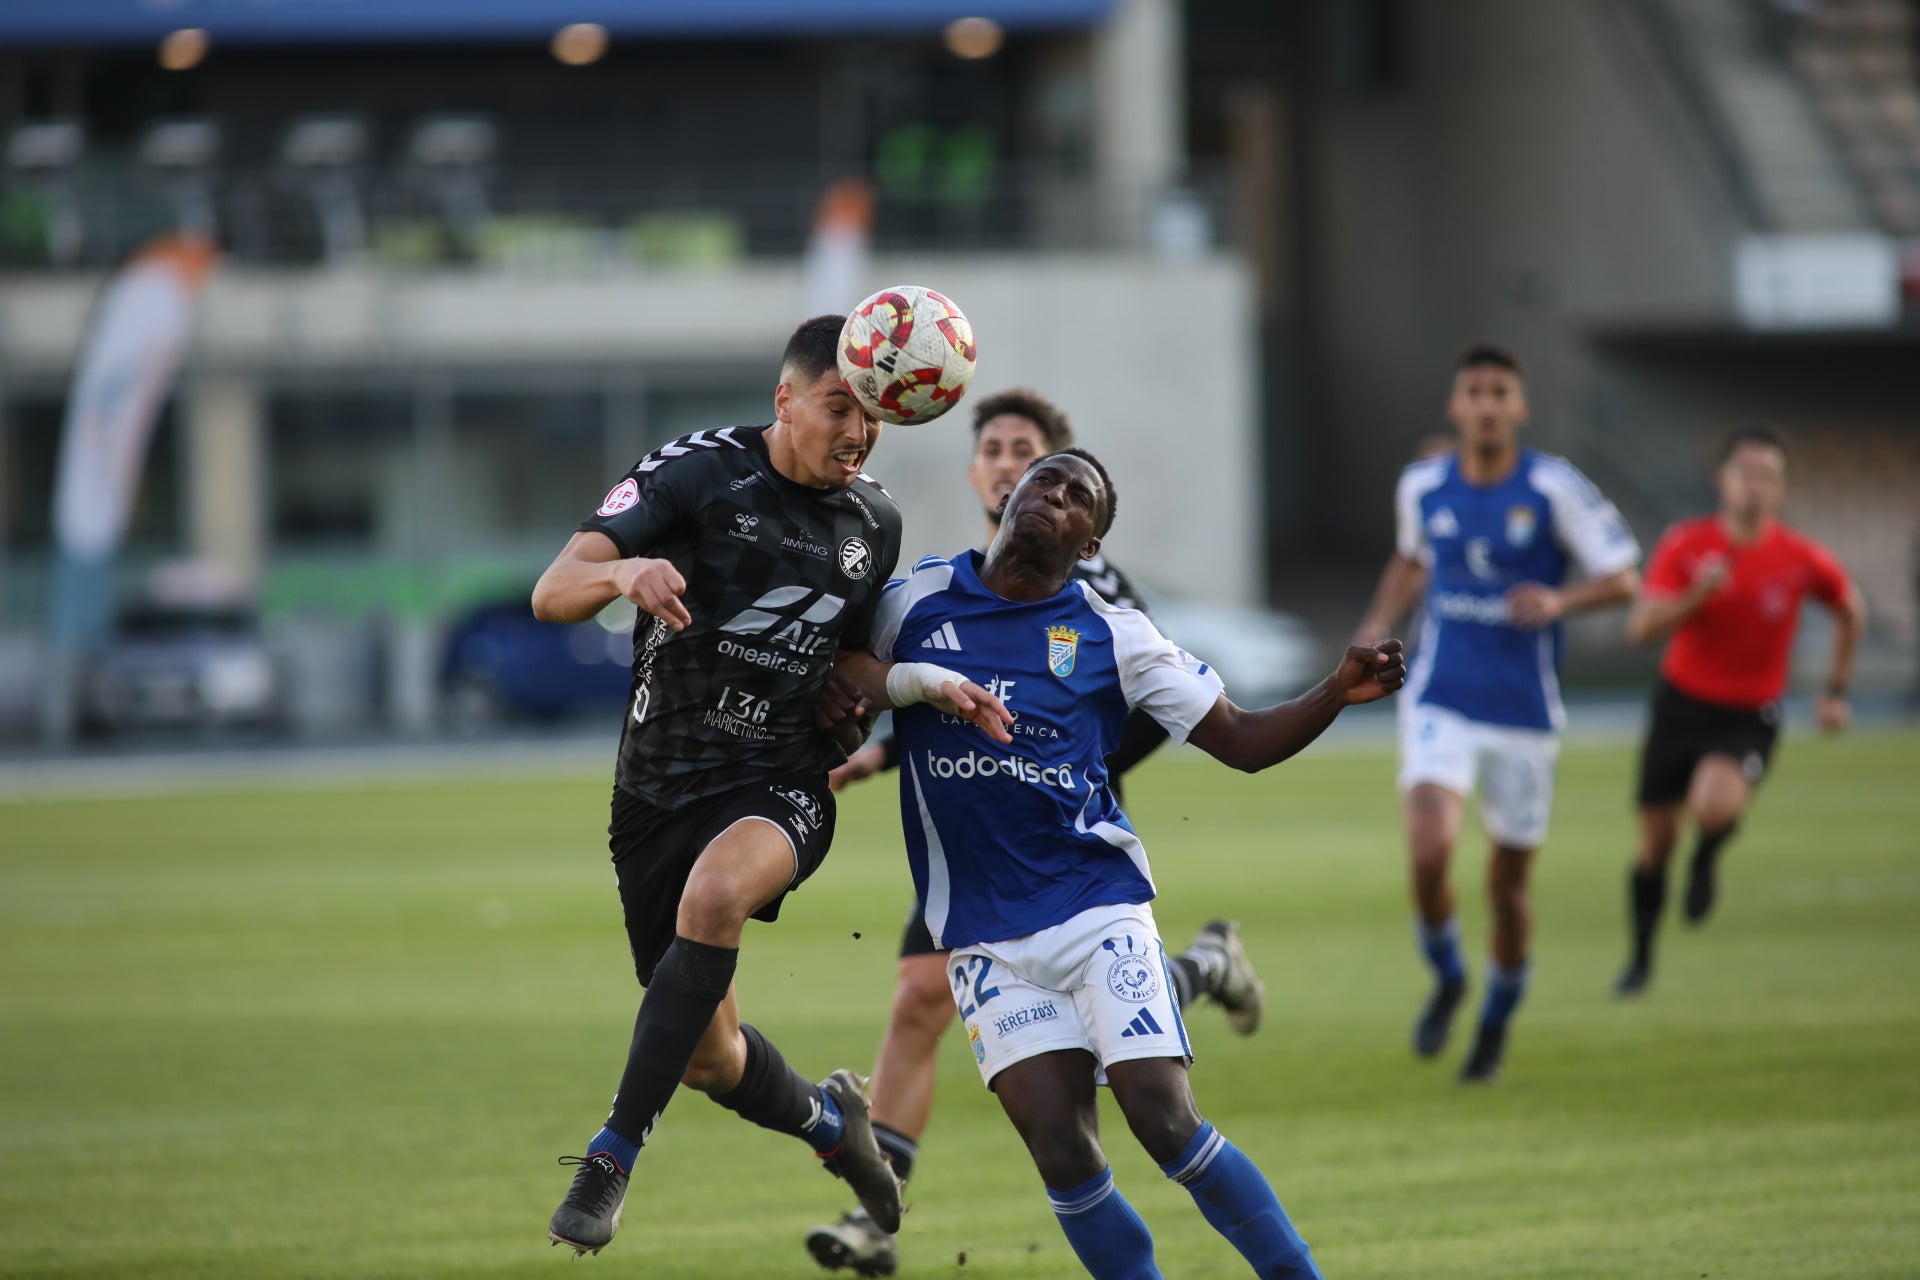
{"type": "Point", "coordinates": [907, 354]}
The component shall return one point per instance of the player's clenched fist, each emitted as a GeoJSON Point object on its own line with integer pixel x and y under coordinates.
{"type": "Point", "coordinates": [1371, 672]}
{"type": "Point", "coordinates": [655, 586]}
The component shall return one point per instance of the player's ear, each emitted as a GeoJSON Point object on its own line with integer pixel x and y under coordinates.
{"type": "Point", "coordinates": [783, 402]}
{"type": "Point", "coordinates": [1000, 507]}
{"type": "Point", "coordinates": [1091, 550]}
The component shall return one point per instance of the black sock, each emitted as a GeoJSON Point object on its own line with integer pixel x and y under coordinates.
{"type": "Point", "coordinates": [688, 985]}
{"type": "Point", "coordinates": [1706, 849]}
{"type": "Point", "coordinates": [770, 1093]}
{"type": "Point", "coordinates": [1189, 978]}
{"type": "Point", "coordinates": [899, 1149]}
{"type": "Point", "coordinates": [1647, 894]}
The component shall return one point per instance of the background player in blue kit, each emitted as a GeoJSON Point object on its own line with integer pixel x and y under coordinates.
{"type": "Point", "coordinates": [1488, 531]}
{"type": "Point", "coordinates": [1032, 875]}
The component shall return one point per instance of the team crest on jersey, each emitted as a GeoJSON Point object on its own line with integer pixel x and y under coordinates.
{"type": "Point", "coordinates": [855, 558]}
{"type": "Point", "coordinates": [1520, 525]}
{"type": "Point", "coordinates": [1063, 646]}
{"type": "Point", "coordinates": [1132, 975]}
{"type": "Point", "coordinates": [622, 496]}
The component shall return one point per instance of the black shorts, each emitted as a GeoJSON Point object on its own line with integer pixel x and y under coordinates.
{"type": "Point", "coordinates": [1684, 731]}
{"type": "Point", "coordinates": [916, 939]}
{"type": "Point", "coordinates": [654, 850]}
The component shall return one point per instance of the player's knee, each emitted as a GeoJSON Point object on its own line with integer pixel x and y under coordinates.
{"type": "Point", "coordinates": [1164, 1133]}
{"type": "Point", "coordinates": [714, 909]}
{"type": "Point", "coordinates": [1066, 1157]}
{"type": "Point", "coordinates": [1430, 857]}
{"type": "Point", "coordinates": [922, 1004]}
{"type": "Point", "coordinates": [1718, 812]}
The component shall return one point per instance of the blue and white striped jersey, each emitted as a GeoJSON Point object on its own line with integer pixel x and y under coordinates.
{"type": "Point", "coordinates": [1006, 841]}
{"type": "Point", "coordinates": [1479, 541]}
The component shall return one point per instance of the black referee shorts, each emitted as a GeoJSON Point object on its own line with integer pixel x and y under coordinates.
{"type": "Point", "coordinates": [1684, 731]}
{"type": "Point", "coordinates": [654, 850]}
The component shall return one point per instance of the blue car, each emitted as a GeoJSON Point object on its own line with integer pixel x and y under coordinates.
{"type": "Point", "coordinates": [502, 663]}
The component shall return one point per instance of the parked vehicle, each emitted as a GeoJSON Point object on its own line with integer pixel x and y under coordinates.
{"type": "Point", "coordinates": [501, 663]}
{"type": "Point", "coordinates": [172, 666]}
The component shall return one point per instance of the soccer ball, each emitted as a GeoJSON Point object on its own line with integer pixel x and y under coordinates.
{"type": "Point", "coordinates": [907, 354]}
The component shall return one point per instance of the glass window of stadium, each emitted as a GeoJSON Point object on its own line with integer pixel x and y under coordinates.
{"type": "Point", "coordinates": [340, 471]}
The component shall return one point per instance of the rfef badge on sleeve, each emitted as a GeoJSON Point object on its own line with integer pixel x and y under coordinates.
{"type": "Point", "coordinates": [1063, 646]}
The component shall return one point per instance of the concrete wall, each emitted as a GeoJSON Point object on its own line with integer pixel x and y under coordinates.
{"type": "Point", "coordinates": [1530, 179]}
{"type": "Point", "coordinates": [1153, 359]}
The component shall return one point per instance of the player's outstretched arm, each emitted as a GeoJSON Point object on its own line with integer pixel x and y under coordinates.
{"type": "Point", "coordinates": [1401, 584]}
{"type": "Point", "coordinates": [589, 573]}
{"type": "Point", "coordinates": [901, 684]}
{"type": "Point", "coordinates": [1254, 740]}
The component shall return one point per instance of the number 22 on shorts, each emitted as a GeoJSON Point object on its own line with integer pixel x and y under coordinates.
{"type": "Point", "coordinates": [981, 991]}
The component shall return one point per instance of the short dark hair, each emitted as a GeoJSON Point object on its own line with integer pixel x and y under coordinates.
{"type": "Point", "coordinates": [1488, 355]}
{"type": "Point", "coordinates": [814, 347]}
{"type": "Point", "coordinates": [1753, 433]}
{"type": "Point", "coordinates": [1105, 520]}
{"type": "Point", "coordinates": [1027, 403]}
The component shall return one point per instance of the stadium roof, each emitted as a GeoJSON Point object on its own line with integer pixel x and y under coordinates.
{"type": "Point", "coordinates": [116, 22]}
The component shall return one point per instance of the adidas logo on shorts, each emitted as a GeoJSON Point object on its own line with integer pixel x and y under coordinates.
{"type": "Point", "coordinates": [1142, 1025]}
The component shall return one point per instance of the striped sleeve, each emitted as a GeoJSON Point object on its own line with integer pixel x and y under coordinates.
{"type": "Point", "coordinates": [1584, 522]}
{"type": "Point", "coordinates": [930, 577]}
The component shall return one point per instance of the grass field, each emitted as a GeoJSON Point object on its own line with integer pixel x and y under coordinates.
{"type": "Point", "coordinates": [345, 1033]}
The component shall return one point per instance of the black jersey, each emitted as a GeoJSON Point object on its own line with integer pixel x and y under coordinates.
{"type": "Point", "coordinates": [779, 577]}
{"type": "Point", "coordinates": [1109, 583]}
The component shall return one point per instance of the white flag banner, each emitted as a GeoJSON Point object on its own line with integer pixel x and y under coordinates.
{"type": "Point", "coordinates": [134, 348]}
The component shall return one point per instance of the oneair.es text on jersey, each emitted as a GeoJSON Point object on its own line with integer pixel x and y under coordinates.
{"type": "Point", "coordinates": [1007, 840]}
{"type": "Point", "coordinates": [779, 577]}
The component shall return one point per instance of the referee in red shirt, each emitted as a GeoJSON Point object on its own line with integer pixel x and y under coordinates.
{"type": "Point", "coordinates": [1728, 588]}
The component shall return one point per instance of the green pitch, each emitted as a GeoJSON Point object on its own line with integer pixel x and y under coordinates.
{"type": "Point", "coordinates": [345, 1033]}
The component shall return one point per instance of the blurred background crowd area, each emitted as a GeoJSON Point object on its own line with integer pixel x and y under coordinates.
{"type": "Point", "coordinates": [473, 260]}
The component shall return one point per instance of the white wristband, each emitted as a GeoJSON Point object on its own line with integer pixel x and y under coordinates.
{"type": "Point", "coordinates": [911, 682]}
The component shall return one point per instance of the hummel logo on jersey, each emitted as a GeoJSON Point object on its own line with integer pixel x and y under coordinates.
{"type": "Point", "coordinates": [1142, 1025]}
{"type": "Point", "coordinates": [745, 525]}
{"type": "Point", "coordinates": [945, 638]}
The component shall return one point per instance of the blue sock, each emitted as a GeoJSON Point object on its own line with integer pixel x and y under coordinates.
{"type": "Point", "coordinates": [1505, 987]}
{"type": "Point", "coordinates": [1441, 945]}
{"type": "Point", "coordinates": [826, 1132]}
{"type": "Point", "coordinates": [1109, 1237]}
{"type": "Point", "coordinates": [616, 1146]}
{"type": "Point", "coordinates": [1235, 1199]}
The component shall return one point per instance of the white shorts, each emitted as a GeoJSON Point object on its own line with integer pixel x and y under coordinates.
{"type": "Point", "coordinates": [1099, 982]}
{"type": "Point", "coordinates": [1514, 768]}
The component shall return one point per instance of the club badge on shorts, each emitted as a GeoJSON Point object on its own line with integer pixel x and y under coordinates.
{"type": "Point", "coordinates": [1063, 646]}
{"type": "Point", "coordinates": [979, 1045]}
{"type": "Point", "coordinates": [1132, 976]}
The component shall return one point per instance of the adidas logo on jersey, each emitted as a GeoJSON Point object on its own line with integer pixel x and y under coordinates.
{"type": "Point", "coordinates": [1142, 1025]}
{"type": "Point", "coordinates": [944, 638]}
